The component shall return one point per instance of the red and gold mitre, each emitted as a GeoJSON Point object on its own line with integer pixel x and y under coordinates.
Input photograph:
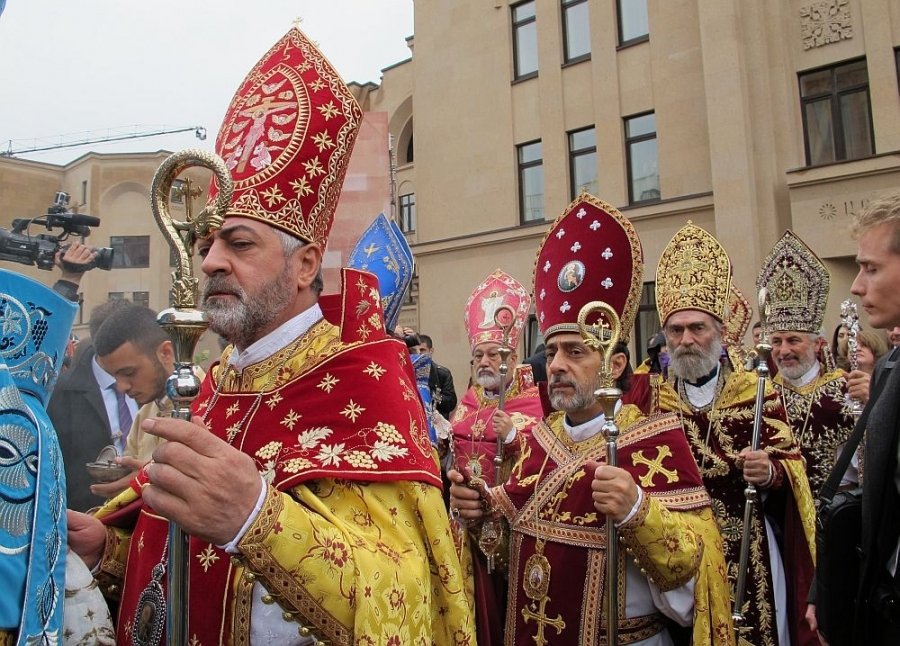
{"type": "Point", "coordinates": [694, 273]}
{"type": "Point", "coordinates": [798, 285]}
{"type": "Point", "coordinates": [738, 313]}
{"type": "Point", "coordinates": [497, 289]}
{"type": "Point", "coordinates": [287, 139]}
{"type": "Point", "coordinates": [591, 253]}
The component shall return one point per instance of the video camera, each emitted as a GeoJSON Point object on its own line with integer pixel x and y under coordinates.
{"type": "Point", "coordinates": [18, 245]}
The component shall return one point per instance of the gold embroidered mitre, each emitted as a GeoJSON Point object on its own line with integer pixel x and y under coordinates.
{"type": "Point", "coordinates": [798, 285]}
{"type": "Point", "coordinates": [694, 273]}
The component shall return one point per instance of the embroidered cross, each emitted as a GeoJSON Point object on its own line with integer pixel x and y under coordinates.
{"type": "Point", "coordinates": [581, 213]}
{"type": "Point", "coordinates": [595, 225]}
{"type": "Point", "coordinates": [607, 253]}
{"type": "Point", "coordinates": [547, 266]}
{"type": "Point", "coordinates": [560, 233]}
{"type": "Point", "coordinates": [576, 247]}
{"type": "Point", "coordinates": [654, 466]}
{"type": "Point", "coordinates": [542, 620]}
{"type": "Point", "coordinates": [607, 282]}
{"type": "Point", "coordinates": [543, 293]}
{"type": "Point", "coordinates": [565, 307]}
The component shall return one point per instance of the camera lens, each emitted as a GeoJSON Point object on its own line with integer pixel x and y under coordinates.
{"type": "Point", "coordinates": [104, 258]}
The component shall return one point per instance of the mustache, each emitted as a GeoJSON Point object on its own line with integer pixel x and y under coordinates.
{"type": "Point", "coordinates": [561, 381]}
{"type": "Point", "coordinates": [221, 285]}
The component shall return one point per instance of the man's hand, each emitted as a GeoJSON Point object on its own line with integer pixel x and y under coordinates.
{"type": "Point", "coordinates": [112, 489]}
{"type": "Point", "coordinates": [200, 482]}
{"type": "Point", "coordinates": [74, 261]}
{"type": "Point", "coordinates": [614, 491]}
{"type": "Point", "coordinates": [758, 468]}
{"type": "Point", "coordinates": [858, 385]}
{"type": "Point", "coordinates": [502, 424]}
{"type": "Point", "coordinates": [465, 502]}
{"type": "Point", "coordinates": [86, 536]}
{"type": "Point", "coordinates": [813, 623]}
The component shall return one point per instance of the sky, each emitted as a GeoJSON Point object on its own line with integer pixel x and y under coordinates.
{"type": "Point", "coordinates": [71, 66]}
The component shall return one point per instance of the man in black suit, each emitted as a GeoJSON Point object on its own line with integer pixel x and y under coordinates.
{"type": "Point", "coordinates": [80, 416]}
{"type": "Point", "coordinates": [877, 230]}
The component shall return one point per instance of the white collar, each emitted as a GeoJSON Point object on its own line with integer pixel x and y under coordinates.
{"type": "Point", "coordinates": [104, 379]}
{"type": "Point", "coordinates": [588, 429]}
{"type": "Point", "coordinates": [805, 378]}
{"type": "Point", "coordinates": [276, 339]}
{"type": "Point", "coordinates": [699, 396]}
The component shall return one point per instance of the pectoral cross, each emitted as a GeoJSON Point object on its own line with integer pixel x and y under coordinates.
{"type": "Point", "coordinates": [655, 466]}
{"type": "Point", "coordinates": [542, 620]}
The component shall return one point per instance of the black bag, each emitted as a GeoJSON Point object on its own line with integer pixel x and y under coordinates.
{"type": "Point", "coordinates": [838, 533]}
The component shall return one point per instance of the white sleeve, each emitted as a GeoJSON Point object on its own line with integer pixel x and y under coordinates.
{"type": "Point", "coordinates": [677, 604]}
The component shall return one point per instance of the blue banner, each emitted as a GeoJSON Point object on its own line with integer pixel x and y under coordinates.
{"type": "Point", "coordinates": [2, 6]}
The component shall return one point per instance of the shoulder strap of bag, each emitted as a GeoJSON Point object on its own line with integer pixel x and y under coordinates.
{"type": "Point", "coordinates": [829, 489]}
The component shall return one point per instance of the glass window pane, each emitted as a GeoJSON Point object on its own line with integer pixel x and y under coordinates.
{"type": "Point", "coordinates": [530, 152]}
{"type": "Point", "coordinates": [583, 139]}
{"type": "Point", "coordinates": [644, 171]}
{"type": "Point", "coordinates": [643, 125]}
{"type": "Point", "coordinates": [819, 132]}
{"type": "Point", "coordinates": [816, 83]}
{"type": "Point", "coordinates": [578, 31]}
{"type": "Point", "coordinates": [857, 125]}
{"type": "Point", "coordinates": [523, 11]}
{"type": "Point", "coordinates": [584, 173]}
{"type": "Point", "coordinates": [526, 49]}
{"type": "Point", "coordinates": [533, 193]}
{"type": "Point", "coordinates": [852, 75]}
{"type": "Point", "coordinates": [130, 251]}
{"type": "Point", "coordinates": [633, 19]}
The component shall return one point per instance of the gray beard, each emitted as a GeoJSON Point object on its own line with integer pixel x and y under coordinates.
{"type": "Point", "coordinates": [582, 398]}
{"type": "Point", "coordinates": [488, 381]}
{"type": "Point", "coordinates": [693, 365]}
{"type": "Point", "coordinates": [795, 372]}
{"type": "Point", "coordinates": [242, 323]}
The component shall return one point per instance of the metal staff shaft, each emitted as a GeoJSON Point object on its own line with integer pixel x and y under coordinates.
{"type": "Point", "coordinates": [504, 317]}
{"type": "Point", "coordinates": [751, 495]}
{"type": "Point", "coordinates": [850, 320]}
{"type": "Point", "coordinates": [184, 324]}
{"type": "Point", "coordinates": [603, 335]}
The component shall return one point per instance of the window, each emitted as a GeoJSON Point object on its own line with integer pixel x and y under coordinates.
{"type": "Point", "coordinates": [634, 26]}
{"type": "Point", "coordinates": [576, 30]}
{"type": "Point", "coordinates": [531, 182]}
{"type": "Point", "coordinates": [837, 119]}
{"type": "Point", "coordinates": [647, 323]}
{"type": "Point", "coordinates": [130, 251]}
{"type": "Point", "coordinates": [410, 157]}
{"type": "Point", "coordinates": [583, 161]}
{"type": "Point", "coordinates": [176, 195]}
{"type": "Point", "coordinates": [141, 298]}
{"type": "Point", "coordinates": [525, 48]}
{"type": "Point", "coordinates": [84, 192]}
{"type": "Point", "coordinates": [115, 296]}
{"type": "Point", "coordinates": [643, 158]}
{"type": "Point", "coordinates": [408, 213]}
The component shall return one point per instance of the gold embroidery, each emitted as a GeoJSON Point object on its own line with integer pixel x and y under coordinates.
{"type": "Point", "coordinates": [328, 382]}
{"type": "Point", "coordinates": [654, 466]}
{"type": "Point", "coordinates": [352, 410]}
{"type": "Point", "coordinates": [375, 371]}
{"type": "Point", "coordinates": [207, 557]}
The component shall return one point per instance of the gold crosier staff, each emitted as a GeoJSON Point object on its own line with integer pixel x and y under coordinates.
{"type": "Point", "coordinates": [184, 324]}
{"type": "Point", "coordinates": [850, 320]}
{"type": "Point", "coordinates": [603, 337]}
{"type": "Point", "coordinates": [763, 350]}
{"type": "Point", "coordinates": [492, 530]}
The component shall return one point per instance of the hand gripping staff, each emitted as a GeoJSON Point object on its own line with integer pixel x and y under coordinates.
{"type": "Point", "coordinates": [491, 530]}
{"type": "Point", "coordinates": [751, 496]}
{"type": "Point", "coordinates": [185, 324]}
{"type": "Point", "coordinates": [603, 335]}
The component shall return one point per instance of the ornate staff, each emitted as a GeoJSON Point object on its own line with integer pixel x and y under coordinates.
{"type": "Point", "coordinates": [850, 320]}
{"type": "Point", "coordinates": [491, 530]}
{"type": "Point", "coordinates": [184, 324]}
{"type": "Point", "coordinates": [763, 350]}
{"type": "Point", "coordinates": [603, 337]}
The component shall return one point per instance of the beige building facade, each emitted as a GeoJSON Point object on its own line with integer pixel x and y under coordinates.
{"type": "Point", "coordinates": [747, 118]}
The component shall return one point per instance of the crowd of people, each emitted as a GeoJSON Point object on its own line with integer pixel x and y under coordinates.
{"type": "Point", "coordinates": [335, 489]}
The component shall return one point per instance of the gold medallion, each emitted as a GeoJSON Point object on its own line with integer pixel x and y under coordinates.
{"type": "Point", "coordinates": [536, 581]}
